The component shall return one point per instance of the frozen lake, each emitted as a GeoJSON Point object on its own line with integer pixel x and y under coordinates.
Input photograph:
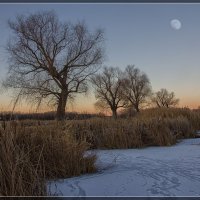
{"type": "Point", "coordinates": [152, 171]}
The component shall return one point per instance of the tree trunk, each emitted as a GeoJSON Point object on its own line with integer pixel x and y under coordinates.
{"type": "Point", "coordinates": [137, 108]}
{"type": "Point", "coordinates": [62, 101]}
{"type": "Point", "coordinates": [114, 113]}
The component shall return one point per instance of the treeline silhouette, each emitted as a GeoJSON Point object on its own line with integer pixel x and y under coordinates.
{"type": "Point", "coordinates": [6, 116]}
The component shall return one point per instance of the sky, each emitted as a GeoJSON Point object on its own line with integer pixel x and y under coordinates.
{"type": "Point", "coordinates": [138, 34]}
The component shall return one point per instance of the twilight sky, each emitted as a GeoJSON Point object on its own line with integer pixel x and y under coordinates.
{"type": "Point", "coordinates": [138, 34]}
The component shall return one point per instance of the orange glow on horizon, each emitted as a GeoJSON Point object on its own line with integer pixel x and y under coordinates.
{"type": "Point", "coordinates": [82, 105]}
{"type": "Point", "coordinates": [79, 109]}
{"type": "Point", "coordinates": [190, 104]}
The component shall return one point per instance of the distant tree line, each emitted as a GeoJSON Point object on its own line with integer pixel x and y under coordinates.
{"type": "Point", "coordinates": [46, 116]}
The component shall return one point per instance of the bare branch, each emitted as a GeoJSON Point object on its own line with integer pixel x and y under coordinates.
{"type": "Point", "coordinates": [136, 87]}
{"type": "Point", "coordinates": [49, 58]}
{"type": "Point", "coordinates": [163, 98]}
{"type": "Point", "coordinates": [108, 89]}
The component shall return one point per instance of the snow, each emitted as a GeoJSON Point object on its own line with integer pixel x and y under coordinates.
{"type": "Point", "coordinates": [152, 171]}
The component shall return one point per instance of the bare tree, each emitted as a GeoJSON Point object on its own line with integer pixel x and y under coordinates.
{"type": "Point", "coordinates": [108, 89]}
{"type": "Point", "coordinates": [52, 60]}
{"type": "Point", "coordinates": [137, 87]}
{"type": "Point", "coordinates": [163, 98]}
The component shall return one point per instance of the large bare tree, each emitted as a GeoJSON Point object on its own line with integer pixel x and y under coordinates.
{"type": "Point", "coordinates": [108, 89]}
{"type": "Point", "coordinates": [52, 60]}
{"type": "Point", "coordinates": [137, 87]}
{"type": "Point", "coordinates": [163, 98]}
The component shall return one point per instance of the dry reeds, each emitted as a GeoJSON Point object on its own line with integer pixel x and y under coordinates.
{"type": "Point", "coordinates": [32, 153]}
{"type": "Point", "coordinates": [173, 113]}
{"type": "Point", "coordinates": [29, 156]}
{"type": "Point", "coordinates": [149, 128]}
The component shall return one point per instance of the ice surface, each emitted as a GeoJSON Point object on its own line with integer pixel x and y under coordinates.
{"type": "Point", "coordinates": [152, 171]}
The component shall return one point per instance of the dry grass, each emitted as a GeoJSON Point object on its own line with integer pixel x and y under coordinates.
{"type": "Point", "coordinates": [112, 134]}
{"type": "Point", "coordinates": [160, 127]}
{"type": "Point", "coordinates": [30, 156]}
{"type": "Point", "coordinates": [32, 152]}
{"type": "Point", "coordinates": [173, 113]}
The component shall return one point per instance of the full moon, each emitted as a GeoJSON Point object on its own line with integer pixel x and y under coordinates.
{"type": "Point", "coordinates": [175, 24]}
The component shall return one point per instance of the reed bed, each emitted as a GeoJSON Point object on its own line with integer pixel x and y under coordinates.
{"type": "Point", "coordinates": [33, 152]}
{"type": "Point", "coordinates": [153, 127]}
{"type": "Point", "coordinates": [32, 155]}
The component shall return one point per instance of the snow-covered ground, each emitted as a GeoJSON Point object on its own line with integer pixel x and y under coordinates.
{"type": "Point", "coordinates": [152, 171]}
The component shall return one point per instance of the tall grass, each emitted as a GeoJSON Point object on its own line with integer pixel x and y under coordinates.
{"type": "Point", "coordinates": [112, 134]}
{"type": "Point", "coordinates": [173, 113]}
{"type": "Point", "coordinates": [30, 156]}
{"type": "Point", "coordinates": [34, 152]}
{"type": "Point", "coordinates": [161, 127]}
